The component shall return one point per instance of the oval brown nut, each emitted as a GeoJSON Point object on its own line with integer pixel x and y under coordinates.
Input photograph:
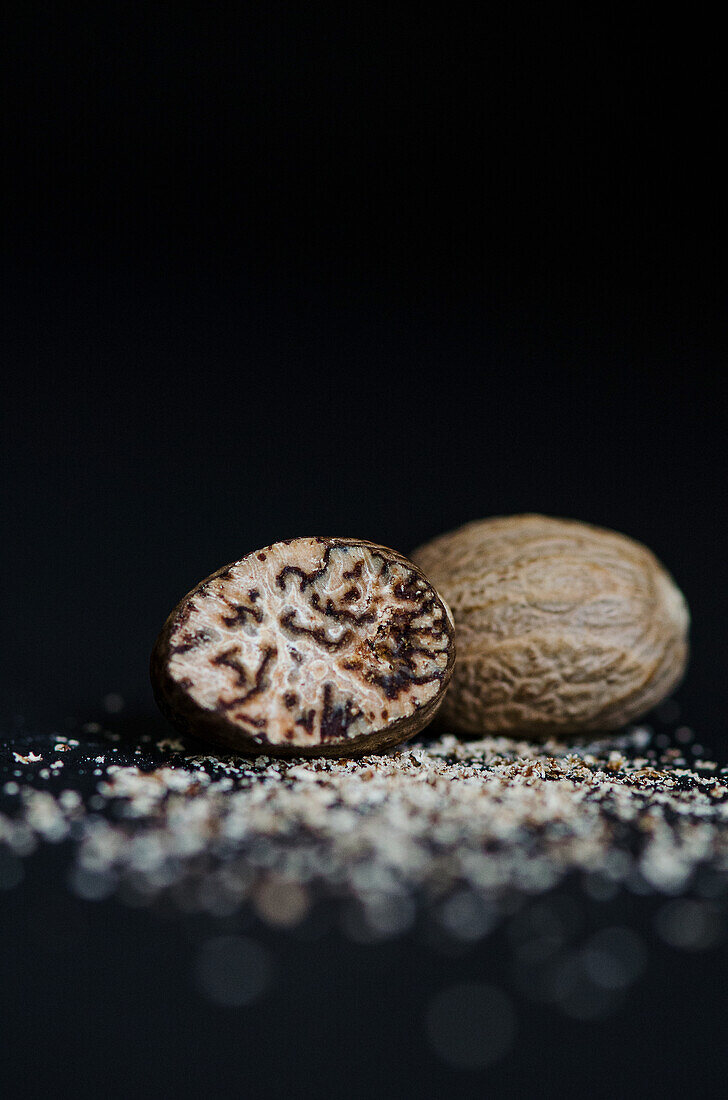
{"type": "Point", "coordinates": [560, 626]}
{"type": "Point", "coordinates": [309, 647]}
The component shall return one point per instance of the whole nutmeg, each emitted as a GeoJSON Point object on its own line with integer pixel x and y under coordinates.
{"type": "Point", "coordinates": [309, 647]}
{"type": "Point", "coordinates": [560, 626]}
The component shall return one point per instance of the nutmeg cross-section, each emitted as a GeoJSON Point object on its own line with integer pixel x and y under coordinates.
{"type": "Point", "coordinates": [313, 646]}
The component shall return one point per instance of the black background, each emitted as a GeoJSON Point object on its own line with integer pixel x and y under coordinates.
{"type": "Point", "coordinates": [348, 271]}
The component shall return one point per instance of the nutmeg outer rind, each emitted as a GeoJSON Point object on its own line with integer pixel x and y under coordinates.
{"type": "Point", "coordinates": [561, 627]}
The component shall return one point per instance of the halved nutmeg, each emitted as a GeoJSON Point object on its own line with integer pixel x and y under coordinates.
{"type": "Point", "coordinates": [309, 647]}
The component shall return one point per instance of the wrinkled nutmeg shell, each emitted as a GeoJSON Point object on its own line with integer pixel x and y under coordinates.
{"type": "Point", "coordinates": [309, 647]}
{"type": "Point", "coordinates": [560, 626]}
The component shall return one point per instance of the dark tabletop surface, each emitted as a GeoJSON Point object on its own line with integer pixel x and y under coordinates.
{"type": "Point", "coordinates": [109, 989]}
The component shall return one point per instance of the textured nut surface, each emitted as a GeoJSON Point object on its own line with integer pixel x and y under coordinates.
{"type": "Point", "coordinates": [560, 626]}
{"type": "Point", "coordinates": [309, 647]}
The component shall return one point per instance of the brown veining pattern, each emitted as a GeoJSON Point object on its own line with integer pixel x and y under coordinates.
{"type": "Point", "coordinates": [313, 641]}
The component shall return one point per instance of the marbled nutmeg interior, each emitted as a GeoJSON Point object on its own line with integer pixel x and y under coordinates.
{"type": "Point", "coordinates": [309, 642]}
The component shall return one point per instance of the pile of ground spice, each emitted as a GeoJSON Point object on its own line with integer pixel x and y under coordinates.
{"type": "Point", "coordinates": [446, 839]}
{"type": "Point", "coordinates": [460, 826]}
